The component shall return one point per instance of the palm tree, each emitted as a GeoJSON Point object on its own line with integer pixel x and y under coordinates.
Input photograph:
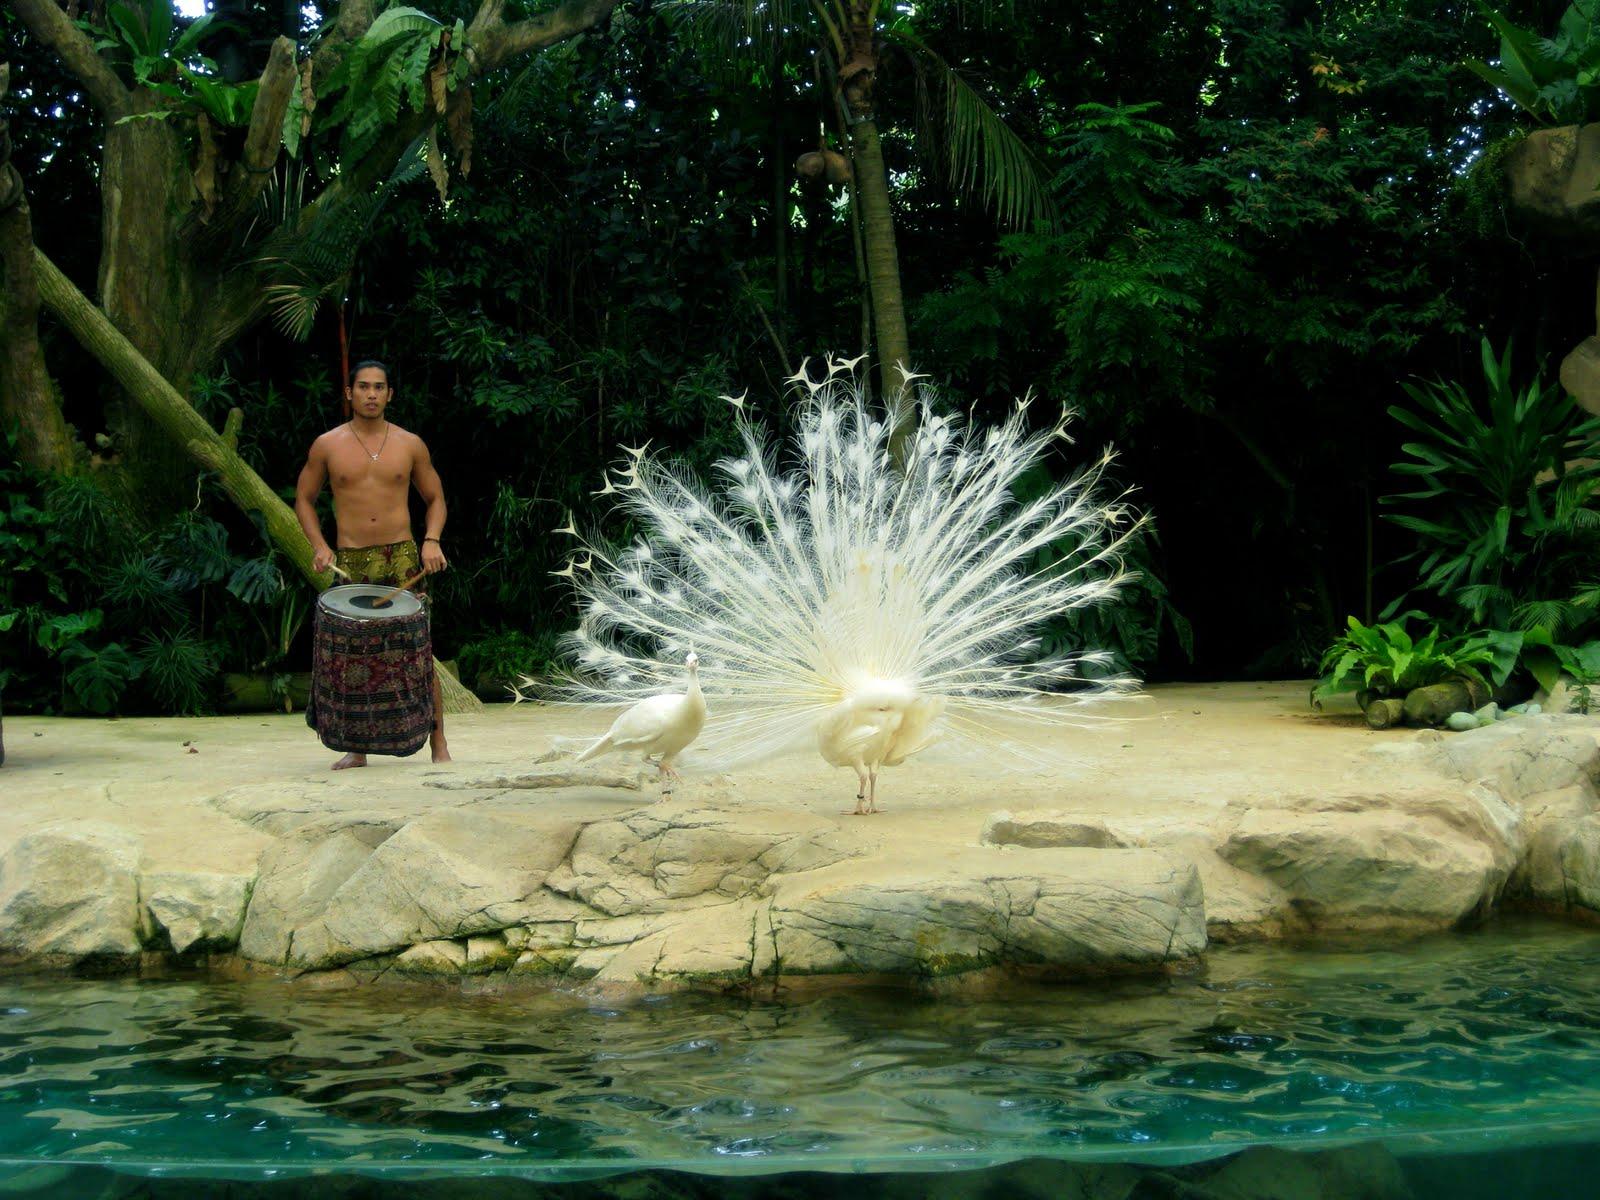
{"type": "Point", "coordinates": [849, 42]}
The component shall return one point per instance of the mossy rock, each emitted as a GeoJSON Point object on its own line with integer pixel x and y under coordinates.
{"type": "Point", "coordinates": [1385, 713]}
{"type": "Point", "coordinates": [1432, 705]}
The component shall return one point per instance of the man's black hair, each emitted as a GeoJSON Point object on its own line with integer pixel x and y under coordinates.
{"type": "Point", "coordinates": [361, 366]}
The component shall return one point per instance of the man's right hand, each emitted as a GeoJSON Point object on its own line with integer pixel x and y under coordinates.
{"type": "Point", "coordinates": [322, 559]}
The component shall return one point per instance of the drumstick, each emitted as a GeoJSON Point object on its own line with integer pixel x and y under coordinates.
{"type": "Point", "coordinates": [383, 600]}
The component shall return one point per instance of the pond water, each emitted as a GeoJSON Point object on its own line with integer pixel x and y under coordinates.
{"type": "Point", "coordinates": [1462, 1063]}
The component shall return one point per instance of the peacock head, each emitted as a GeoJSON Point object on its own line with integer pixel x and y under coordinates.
{"type": "Point", "coordinates": [692, 661]}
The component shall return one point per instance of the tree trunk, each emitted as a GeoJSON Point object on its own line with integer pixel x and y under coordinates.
{"type": "Point", "coordinates": [780, 201]}
{"type": "Point", "coordinates": [169, 412]}
{"type": "Point", "coordinates": [883, 261]}
{"type": "Point", "coordinates": [1385, 714]}
{"type": "Point", "coordinates": [856, 78]}
{"type": "Point", "coordinates": [27, 397]}
{"type": "Point", "coordinates": [156, 284]}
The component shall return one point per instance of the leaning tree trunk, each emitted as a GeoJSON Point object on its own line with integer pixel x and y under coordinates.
{"type": "Point", "coordinates": [183, 426]}
{"type": "Point", "coordinates": [27, 397]}
{"type": "Point", "coordinates": [856, 78]}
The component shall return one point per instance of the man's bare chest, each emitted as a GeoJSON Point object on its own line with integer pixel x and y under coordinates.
{"type": "Point", "coordinates": [355, 469]}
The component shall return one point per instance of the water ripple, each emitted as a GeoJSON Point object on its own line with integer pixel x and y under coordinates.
{"type": "Point", "coordinates": [1476, 1031]}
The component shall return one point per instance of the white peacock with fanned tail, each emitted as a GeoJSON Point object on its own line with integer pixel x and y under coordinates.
{"type": "Point", "coordinates": [872, 605]}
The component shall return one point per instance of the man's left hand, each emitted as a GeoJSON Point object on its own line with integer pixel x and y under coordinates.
{"type": "Point", "coordinates": [433, 559]}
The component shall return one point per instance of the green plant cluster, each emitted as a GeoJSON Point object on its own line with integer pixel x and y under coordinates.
{"type": "Point", "coordinates": [406, 60]}
{"type": "Point", "coordinates": [1505, 537]}
{"type": "Point", "coordinates": [100, 616]}
{"type": "Point", "coordinates": [1385, 660]}
{"type": "Point", "coordinates": [159, 53]}
{"type": "Point", "coordinates": [1556, 79]}
{"type": "Point", "coordinates": [1501, 509]}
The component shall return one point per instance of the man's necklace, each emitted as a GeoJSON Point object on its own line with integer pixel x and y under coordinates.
{"type": "Point", "coordinates": [372, 454]}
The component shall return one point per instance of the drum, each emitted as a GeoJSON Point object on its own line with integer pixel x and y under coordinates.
{"type": "Point", "coordinates": [371, 671]}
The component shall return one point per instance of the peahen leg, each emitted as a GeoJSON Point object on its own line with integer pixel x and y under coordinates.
{"type": "Point", "coordinates": [872, 791]}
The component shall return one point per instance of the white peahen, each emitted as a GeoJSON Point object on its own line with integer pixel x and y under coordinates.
{"type": "Point", "coordinates": [876, 606]}
{"type": "Point", "coordinates": [658, 727]}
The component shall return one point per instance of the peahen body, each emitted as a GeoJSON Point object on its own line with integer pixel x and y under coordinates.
{"type": "Point", "coordinates": [659, 727]}
{"type": "Point", "coordinates": [873, 606]}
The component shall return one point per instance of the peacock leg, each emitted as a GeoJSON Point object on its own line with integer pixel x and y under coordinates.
{"type": "Point", "coordinates": [872, 792]}
{"type": "Point", "coordinates": [861, 791]}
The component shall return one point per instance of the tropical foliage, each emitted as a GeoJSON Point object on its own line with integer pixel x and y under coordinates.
{"type": "Point", "coordinates": [1223, 232]}
{"type": "Point", "coordinates": [1501, 508]}
{"type": "Point", "coordinates": [97, 617]}
{"type": "Point", "coordinates": [1555, 79]}
{"type": "Point", "coordinates": [1385, 659]}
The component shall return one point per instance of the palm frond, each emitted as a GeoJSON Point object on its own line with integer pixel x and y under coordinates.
{"type": "Point", "coordinates": [740, 32]}
{"type": "Point", "coordinates": [306, 262]}
{"type": "Point", "coordinates": [1554, 615]}
{"type": "Point", "coordinates": [983, 156]}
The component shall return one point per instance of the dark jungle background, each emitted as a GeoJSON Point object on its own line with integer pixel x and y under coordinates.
{"type": "Point", "coordinates": [1267, 216]}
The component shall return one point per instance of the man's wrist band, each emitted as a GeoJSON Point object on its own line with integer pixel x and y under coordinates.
{"type": "Point", "coordinates": [430, 539]}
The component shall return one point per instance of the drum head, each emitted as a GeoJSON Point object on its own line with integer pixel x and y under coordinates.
{"type": "Point", "coordinates": [358, 600]}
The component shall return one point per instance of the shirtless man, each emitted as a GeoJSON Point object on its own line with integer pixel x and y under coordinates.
{"type": "Point", "coordinates": [372, 465]}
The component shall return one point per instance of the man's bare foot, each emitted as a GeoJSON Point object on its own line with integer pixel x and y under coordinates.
{"type": "Point", "coordinates": [349, 760]}
{"type": "Point", "coordinates": [441, 753]}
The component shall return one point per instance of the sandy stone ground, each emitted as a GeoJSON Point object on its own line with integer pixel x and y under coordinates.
{"type": "Point", "coordinates": [1179, 750]}
{"type": "Point", "coordinates": [1197, 813]}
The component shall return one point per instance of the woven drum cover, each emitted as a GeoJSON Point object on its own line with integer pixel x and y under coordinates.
{"type": "Point", "coordinates": [371, 683]}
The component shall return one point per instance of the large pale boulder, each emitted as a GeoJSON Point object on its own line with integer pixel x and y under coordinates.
{"type": "Point", "coordinates": [728, 943]}
{"type": "Point", "coordinates": [1548, 767]}
{"type": "Point", "coordinates": [1580, 863]}
{"type": "Point", "coordinates": [1522, 756]}
{"type": "Point", "coordinates": [1073, 910]}
{"type": "Point", "coordinates": [280, 809]}
{"type": "Point", "coordinates": [196, 908]}
{"type": "Point", "coordinates": [1580, 377]}
{"type": "Point", "coordinates": [1552, 819]}
{"type": "Point", "coordinates": [1069, 912]}
{"type": "Point", "coordinates": [450, 874]}
{"type": "Point", "coordinates": [296, 876]}
{"type": "Point", "coordinates": [432, 958]}
{"type": "Point", "coordinates": [1238, 904]}
{"type": "Point", "coordinates": [1423, 857]}
{"type": "Point", "coordinates": [671, 856]}
{"type": "Point", "coordinates": [70, 892]}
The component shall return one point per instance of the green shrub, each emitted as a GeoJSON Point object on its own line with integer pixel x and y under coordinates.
{"type": "Point", "coordinates": [491, 664]}
{"type": "Point", "coordinates": [1555, 79]}
{"type": "Point", "coordinates": [1503, 525]}
{"type": "Point", "coordinates": [1385, 659]}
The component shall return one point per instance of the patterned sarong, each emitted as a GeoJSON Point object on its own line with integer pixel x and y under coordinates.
{"type": "Point", "coordinates": [389, 565]}
{"type": "Point", "coordinates": [372, 681]}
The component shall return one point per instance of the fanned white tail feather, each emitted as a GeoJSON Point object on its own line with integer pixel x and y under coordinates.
{"type": "Point", "coordinates": [841, 575]}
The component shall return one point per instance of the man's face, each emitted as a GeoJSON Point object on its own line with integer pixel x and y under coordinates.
{"type": "Point", "coordinates": [369, 394]}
